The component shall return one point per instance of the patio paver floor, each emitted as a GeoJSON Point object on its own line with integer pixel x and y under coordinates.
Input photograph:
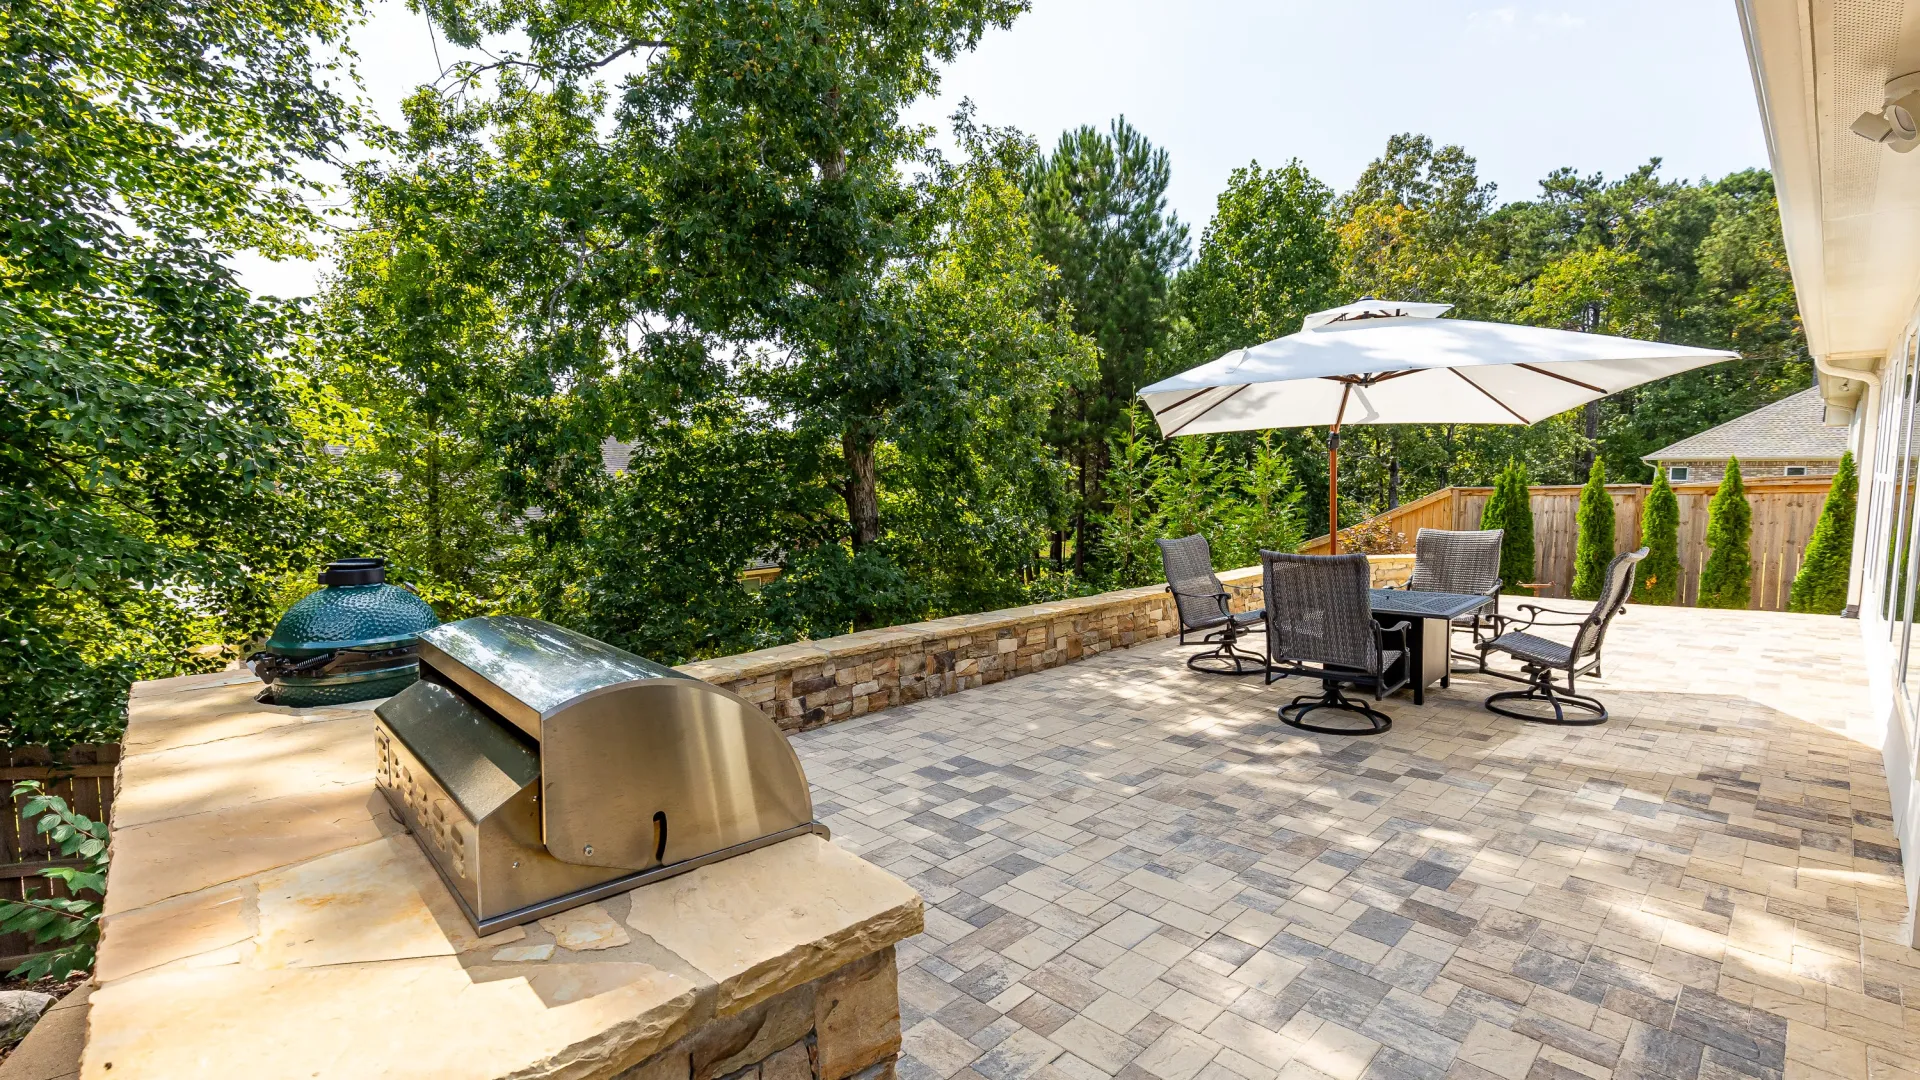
{"type": "Point", "coordinates": [1133, 870]}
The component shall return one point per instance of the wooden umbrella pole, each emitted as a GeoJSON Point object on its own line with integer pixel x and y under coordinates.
{"type": "Point", "coordinates": [1333, 472]}
{"type": "Point", "coordinates": [1333, 490]}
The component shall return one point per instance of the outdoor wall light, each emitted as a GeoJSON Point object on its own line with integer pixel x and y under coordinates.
{"type": "Point", "coordinates": [1894, 123]}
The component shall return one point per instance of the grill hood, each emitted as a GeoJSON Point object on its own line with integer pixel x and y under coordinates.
{"type": "Point", "coordinates": [542, 769]}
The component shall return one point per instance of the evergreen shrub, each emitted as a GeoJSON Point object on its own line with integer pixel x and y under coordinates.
{"type": "Point", "coordinates": [1594, 520]}
{"type": "Point", "coordinates": [1820, 587]}
{"type": "Point", "coordinates": [1727, 580]}
{"type": "Point", "coordinates": [1658, 581]}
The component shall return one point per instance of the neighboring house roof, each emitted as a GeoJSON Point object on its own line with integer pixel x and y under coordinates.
{"type": "Point", "coordinates": [1789, 429]}
{"type": "Point", "coordinates": [615, 455]}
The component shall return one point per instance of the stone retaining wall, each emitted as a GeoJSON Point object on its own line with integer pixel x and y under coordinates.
{"type": "Point", "coordinates": [810, 683]}
{"type": "Point", "coordinates": [844, 1026]}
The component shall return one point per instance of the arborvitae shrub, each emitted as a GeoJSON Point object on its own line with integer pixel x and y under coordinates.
{"type": "Point", "coordinates": [1820, 587]}
{"type": "Point", "coordinates": [1595, 522]}
{"type": "Point", "coordinates": [1727, 580]}
{"type": "Point", "coordinates": [1510, 507]}
{"type": "Point", "coordinates": [1658, 581]}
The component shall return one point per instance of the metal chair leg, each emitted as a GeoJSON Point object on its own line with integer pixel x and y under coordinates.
{"type": "Point", "coordinates": [1541, 688]}
{"type": "Point", "coordinates": [1226, 657]}
{"type": "Point", "coordinates": [1294, 714]}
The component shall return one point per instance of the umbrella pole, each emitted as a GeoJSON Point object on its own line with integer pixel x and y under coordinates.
{"type": "Point", "coordinates": [1333, 490]}
{"type": "Point", "coordinates": [1333, 472]}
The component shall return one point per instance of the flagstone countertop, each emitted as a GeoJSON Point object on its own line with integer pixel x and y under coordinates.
{"type": "Point", "coordinates": [267, 917]}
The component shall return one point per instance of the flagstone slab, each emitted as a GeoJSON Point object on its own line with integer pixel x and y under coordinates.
{"type": "Point", "coordinates": [267, 917]}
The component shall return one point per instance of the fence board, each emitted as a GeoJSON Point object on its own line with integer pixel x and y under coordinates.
{"type": "Point", "coordinates": [1785, 510]}
{"type": "Point", "coordinates": [85, 780]}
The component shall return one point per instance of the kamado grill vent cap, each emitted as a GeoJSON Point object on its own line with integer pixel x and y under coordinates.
{"type": "Point", "coordinates": [351, 640]}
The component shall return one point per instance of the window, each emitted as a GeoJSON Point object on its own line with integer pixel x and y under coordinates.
{"type": "Point", "coordinates": [1796, 470]}
{"type": "Point", "coordinates": [1677, 473]}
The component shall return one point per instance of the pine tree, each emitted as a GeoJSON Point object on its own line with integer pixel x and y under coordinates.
{"type": "Point", "coordinates": [1659, 577]}
{"type": "Point", "coordinates": [1820, 588]}
{"type": "Point", "coordinates": [1595, 522]}
{"type": "Point", "coordinates": [1727, 581]}
{"type": "Point", "coordinates": [1510, 507]}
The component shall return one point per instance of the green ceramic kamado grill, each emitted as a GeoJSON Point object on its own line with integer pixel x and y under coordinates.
{"type": "Point", "coordinates": [353, 639]}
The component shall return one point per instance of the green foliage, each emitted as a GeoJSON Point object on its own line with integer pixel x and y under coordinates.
{"type": "Point", "coordinates": [830, 590]}
{"type": "Point", "coordinates": [1726, 581]}
{"type": "Point", "coordinates": [1594, 547]}
{"type": "Point", "coordinates": [1510, 507]}
{"type": "Point", "coordinates": [1658, 579]}
{"type": "Point", "coordinates": [1266, 261]}
{"type": "Point", "coordinates": [1156, 491]}
{"type": "Point", "coordinates": [1820, 585]}
{"type": "Point", "coordinates": [149, 481]}
{"type": "Point", "coordinates": [1098, 206]}
{"type": "Point", "coordinates": [70, 924]}
{"type": "Point", "coordinates": [1128, 526]}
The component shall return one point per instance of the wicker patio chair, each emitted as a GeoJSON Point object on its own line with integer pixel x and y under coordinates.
{"type": "Point", "coordinates": [1320, 626]}
{"type": "Point", "coordinates": [1204, 609]}
{"type": "Point", "coordinates": [1540, 657]}
{"type": "Point", "coordinates": [1461, 561]}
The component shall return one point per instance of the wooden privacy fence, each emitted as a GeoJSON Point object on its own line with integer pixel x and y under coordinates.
{"type": "Point", "coordinates": [1784, 512]}
{"type": "Point", "coordinates": [86, 782]}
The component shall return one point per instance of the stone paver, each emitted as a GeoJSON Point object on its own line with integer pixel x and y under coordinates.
{"type": "Point", "coordinates": [1136, 871]}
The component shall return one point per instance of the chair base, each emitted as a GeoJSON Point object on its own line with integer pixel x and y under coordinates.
{"type": "Point", "coordinates": [1294, 715]}
{"type": "Point", "coordinates": [1589, 710]}
{"type": "Point", "coordinates": [1227, 659]}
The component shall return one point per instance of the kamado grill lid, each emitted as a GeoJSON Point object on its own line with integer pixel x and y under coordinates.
{"type": "Point", "coordinates": [357, 610]}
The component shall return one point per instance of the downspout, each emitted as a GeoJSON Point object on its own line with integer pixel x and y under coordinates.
{"type": "Point", "coordinates": [1856, 564]}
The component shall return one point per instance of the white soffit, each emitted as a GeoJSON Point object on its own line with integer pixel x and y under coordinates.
{"type": "Point", "coordinates": [1850, 208]}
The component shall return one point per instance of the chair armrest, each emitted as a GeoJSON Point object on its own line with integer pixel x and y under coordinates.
{"type": "Point", "coordinates": [1219, 598]}
{"type": "Point", "coordinates": [1494, 589]}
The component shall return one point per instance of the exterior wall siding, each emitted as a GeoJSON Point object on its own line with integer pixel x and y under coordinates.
{"type": "Point", "coordinates": [812, 683]}
{"type": "Point", "coordinates": [1709, 471]}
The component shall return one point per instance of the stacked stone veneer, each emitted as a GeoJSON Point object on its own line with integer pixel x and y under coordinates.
{"type": "Point", "coordinates": [844, 1026]}
{"type": "Point", "coordinates": [811, 683]}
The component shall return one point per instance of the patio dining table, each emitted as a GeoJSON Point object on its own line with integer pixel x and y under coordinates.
{"type": "Point", "coordinates": [1429, 645]}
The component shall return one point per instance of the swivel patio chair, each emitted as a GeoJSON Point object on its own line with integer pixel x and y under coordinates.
{"type": "Point", "coordinates": [1541, 657]}
{"type": "Point", "coordinates": [1320, 626]}
{"type": "Point", "coordinates": [1461, 561]}
{"type": "Point", "coordinates": [1204, 609]}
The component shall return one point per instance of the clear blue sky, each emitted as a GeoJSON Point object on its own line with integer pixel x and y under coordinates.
{"type": "Point", "coordinates": [1525, 87]}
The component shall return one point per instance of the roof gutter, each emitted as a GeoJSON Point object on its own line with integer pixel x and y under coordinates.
{"type": "Point", "coordinates": [1842, 388]}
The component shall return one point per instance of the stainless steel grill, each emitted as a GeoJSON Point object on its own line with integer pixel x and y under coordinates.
{"type": "Point", "coordinates": [541, 769]}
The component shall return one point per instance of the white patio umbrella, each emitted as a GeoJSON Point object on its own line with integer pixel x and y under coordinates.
{"type": "Point", "coordinates": [1386, 362]}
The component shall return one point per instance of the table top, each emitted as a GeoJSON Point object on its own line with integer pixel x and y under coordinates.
{"type": "Point", "coordinates": [1424, 605]}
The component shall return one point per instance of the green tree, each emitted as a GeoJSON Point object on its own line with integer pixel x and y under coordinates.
{"type": "Point", "coordinates": [1127, 523]}
{"type": "Point", "coordinates": [1268, 516]}
{"type": "Point", "coordinates": [1510, 508]}
{"type": "Point", "coordinates": [1727, 579]}
{"type": "Point", "coordinates": [1098, 204]}
{"type": "Point", "coordinates": [149, 469]}
{"type": "Point", "coordinates": [1266, 260]}
{"type": "Point", "coordinates": [1594, 549]}
{"type": "Point", "coordinates": [1820, 585]}
{"type": "Point", "coordinates": [1659, 573]}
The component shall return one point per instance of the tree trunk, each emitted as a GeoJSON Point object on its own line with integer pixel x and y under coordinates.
{"type": "Point", "coordinates": [1393, 469]}
{"type": "Point", "coordinates": [1059, 551]}
{"type": "Point", "coordinates": [863, 488]}
{"type": "Point", "coordinates": [1592, 412]}
{"type": "Point", "coordinates": [435, 528]}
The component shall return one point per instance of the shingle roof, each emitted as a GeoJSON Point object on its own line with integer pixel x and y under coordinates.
{"type": "Point", "coordinates": [1789, 429]}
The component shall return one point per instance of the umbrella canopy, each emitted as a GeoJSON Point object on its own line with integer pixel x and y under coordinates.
{"type": "Point", "coordinates": [1387, 362]}
{"type": "Point", "coordinates": [1409, 368]}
